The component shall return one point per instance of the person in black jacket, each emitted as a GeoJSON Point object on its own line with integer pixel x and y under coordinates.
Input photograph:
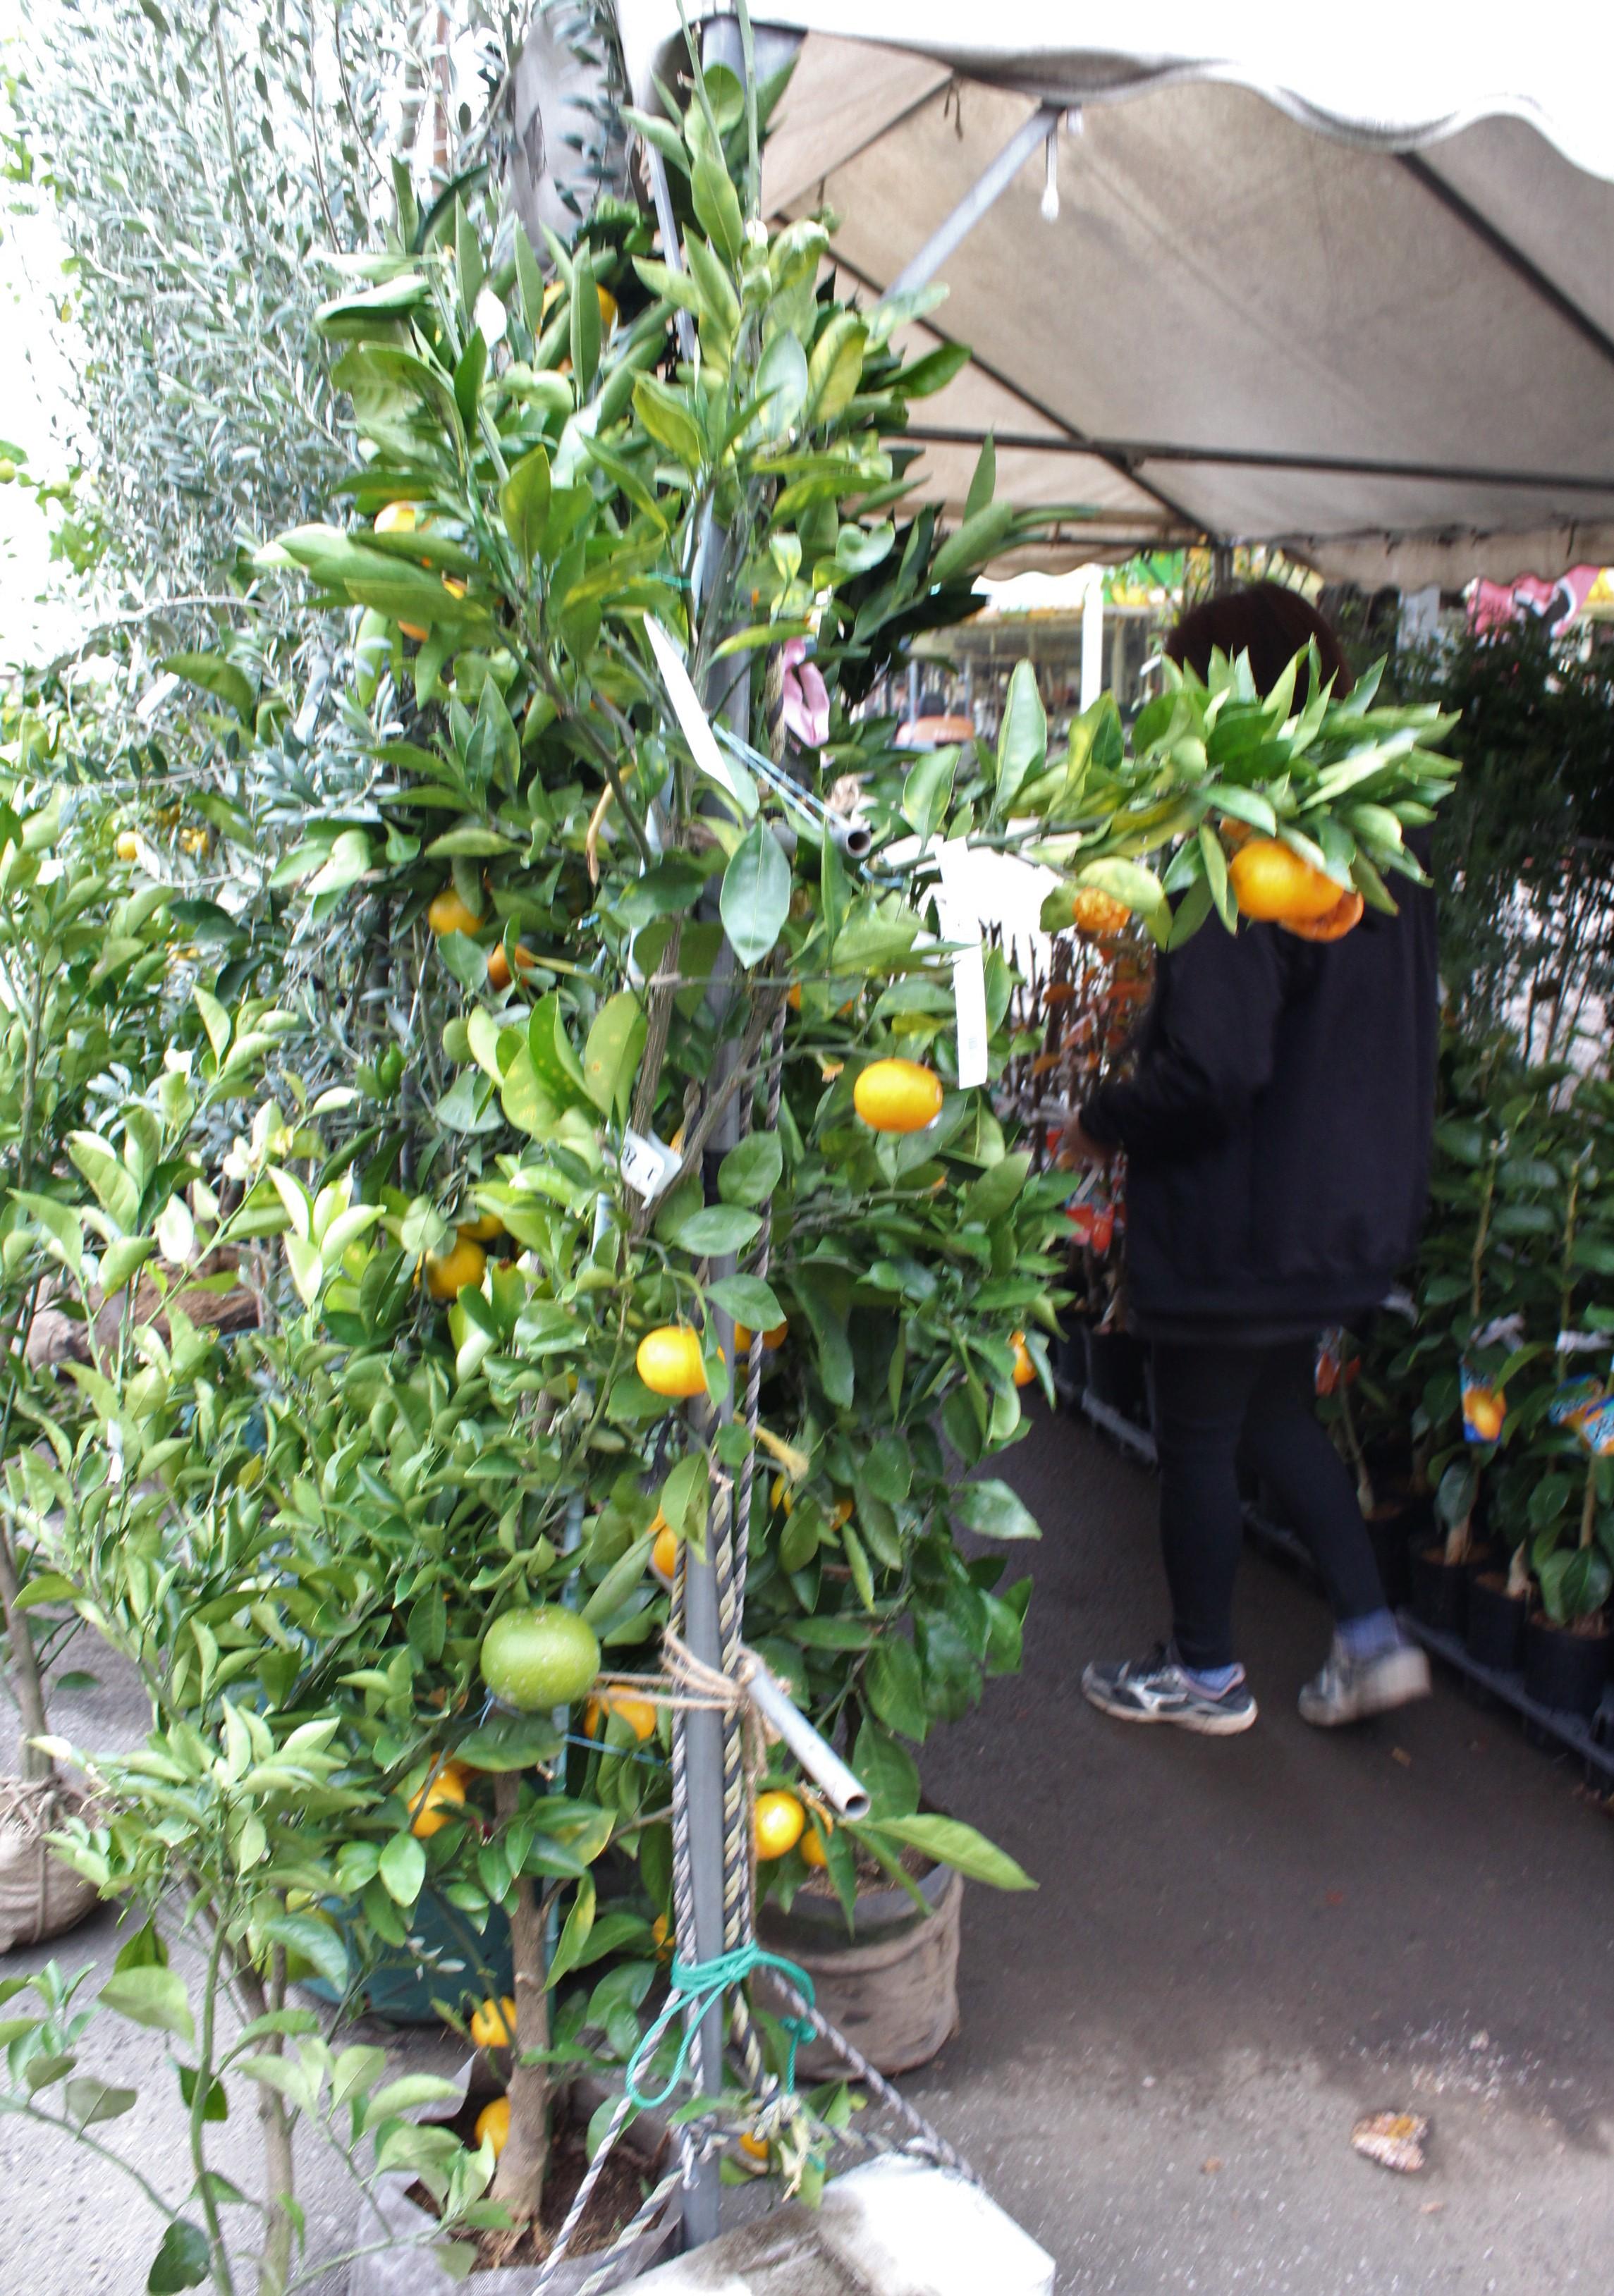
{"type": "Point", "coordinates": [1277, 1137]}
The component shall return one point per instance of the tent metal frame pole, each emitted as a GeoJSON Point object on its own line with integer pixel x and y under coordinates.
{"type": "Point", "coordinates": [1069, 434]}
{"type": "Point", "coordinates": [1126, 451]}
{"type": "Point", "coordinates": [984, 193]}
{"type": "Point", "coordinates": [1507, 251]}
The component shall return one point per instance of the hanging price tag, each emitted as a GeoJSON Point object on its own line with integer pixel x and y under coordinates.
{"type": "Point", "coordinates": [646, 1165]}
{"type": "Point", "coordinates": [697, 726]}
{"type": "Point", "coordinates": [958, 919]}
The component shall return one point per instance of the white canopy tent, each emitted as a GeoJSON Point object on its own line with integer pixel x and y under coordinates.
{"type": "Point", "coordinates": [1345, 285]}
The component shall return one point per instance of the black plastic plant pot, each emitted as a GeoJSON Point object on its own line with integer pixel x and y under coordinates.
{"type": "Point", "coordinates": [1439, 1590]}
{"type": "Point", "coordinates": [1070, 1351]}
{"type": "Point", "coordinates": [1494, 1630]}
{"type": "Point", "coordinates": [1115, 1372]}
{"type": "Point", "coordinates": [1563, 1670]}
{"type": "Point", "coordinates": [1390, 1530]}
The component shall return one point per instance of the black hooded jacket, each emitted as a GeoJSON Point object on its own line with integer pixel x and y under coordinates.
{"type": "Point", "coordinates": [1277, 1127]}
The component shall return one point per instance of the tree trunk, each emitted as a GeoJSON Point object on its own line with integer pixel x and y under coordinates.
{"type": "Point", "coordinates": [519, 2182]}
{"type": "Point", "coordinates": [279, 2170]}
{"type": "Point", "coordinates": [26, 1682]}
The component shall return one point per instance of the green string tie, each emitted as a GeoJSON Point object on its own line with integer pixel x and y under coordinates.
{"type": "Point", "coordinates": [705, 1983]}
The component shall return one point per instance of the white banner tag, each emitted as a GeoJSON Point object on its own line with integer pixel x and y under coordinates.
{"type": "Point", "coordinates": [687, 707]}
{"type": "Point", "coordinates": [646, 1165]}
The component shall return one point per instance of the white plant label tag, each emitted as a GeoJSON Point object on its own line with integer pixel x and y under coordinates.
{"type": "Point", "coordinates": [687, 707]}
{"type": "Point", "coordinates": [646, 1165]}
{"type": "Point", "coordinates": [958, 919]}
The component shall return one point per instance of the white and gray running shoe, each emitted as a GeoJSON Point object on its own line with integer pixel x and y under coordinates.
{"type": "Point", "coordinates": [1156, 1689]}
{"type": "Point", "coordinates": [1349, 1689]}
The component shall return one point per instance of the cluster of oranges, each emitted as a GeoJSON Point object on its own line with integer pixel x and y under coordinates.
{"type": "Point", "coordinates": [1273, 885]}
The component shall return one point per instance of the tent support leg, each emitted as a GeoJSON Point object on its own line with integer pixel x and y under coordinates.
{"type": "Point", "coordinates": [1043, 123]}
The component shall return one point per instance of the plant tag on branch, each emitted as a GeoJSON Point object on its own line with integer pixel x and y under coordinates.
{"type": "Point", "coordinates": [958, 919]}
{"type": "Point", "coordinates": [646, 1165]}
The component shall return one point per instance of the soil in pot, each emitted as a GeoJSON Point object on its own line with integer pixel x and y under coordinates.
{"type": "Point", "coordinates": [1494, 1630]}
{"type": "Point", "coordinates": [1565, 1667]}
{"type": "Point", "coordinates": [615, 2201]}
{"type": "Point", "coordinates": [892, 1987]}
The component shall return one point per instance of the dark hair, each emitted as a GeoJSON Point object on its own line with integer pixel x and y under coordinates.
{"type": "Point", "coordinates": [1271, 624]}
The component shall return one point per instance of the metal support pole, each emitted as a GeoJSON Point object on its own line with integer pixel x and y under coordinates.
{"type": "Point", "coordinates": [922, 268]}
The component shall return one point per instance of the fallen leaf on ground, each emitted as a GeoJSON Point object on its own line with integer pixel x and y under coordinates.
{"type": "Point", "coordinates": [1209, 2167]}
{"type": "Point", "coordinates": [1394, 2139]}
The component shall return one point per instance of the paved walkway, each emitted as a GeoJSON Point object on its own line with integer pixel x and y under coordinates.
{"type": "Point", "coordinates": [1238, 1947]}
{"type": "Point", "coordinates": [1242, 1944]}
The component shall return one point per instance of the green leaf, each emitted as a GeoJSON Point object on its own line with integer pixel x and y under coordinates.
{"type": "Point", "coordinates": [978, 539]}
{"type": "Point", "coordinates": [216, 675]}
{"type": "Point", "coordinates": [824, 1298]}
{"type": "Point", "coordinates": [755, 898]}
{"type": "Point", "coordinates": [717, 205]}
{"type": "Point", "coordinates": [750, 1173]}
{"type": "Point", "coordinates": [665, 415]}
{"type": "Point", "coordinates": [1137, 888]}
{"type": "Point", "coordinates": [992, 1510]}
{"type": "Point", "coordinates": [984, 483]}
{"type": "Point", "coordinates": [151, 1995]}
{"type": "Point", "coordinates": [584, 323]}
{"type": "Point", "coordinates": [952, 1844]}
{"type": "Point", "coordinates": [319, 1944]}
{"type": "Point", "coordinates": [523, 500]}
{"type": "Point", "coordinates": [611, 1057]}
{"type": "Point", "coordinates": [888, 1771]}
{"type": "Point", "coordinates": [713, 1230]}
{"type": "Point", "coordinates": [921, 377]}
{"type": "Point", "coordinates": [60, 1222]}
{"type": "Point", "coordinates": [555, 1062]}
{"type": "Point", "coordinates": [403, 1869]}
{"type": "Point", "coordinates": [749, 1300]}
{"type": "Point", "coordinates": [896, 1691]}
{"type": "Point", "coordinates": [781, 383]}
{"type": "Point", "coordinates": [574, 1935]}
{"type": "Point", "coordinates": [510, 1742]}
{"type": "Point", "coordinates": [929, 790]}
{"type": "Point", "coordinates": [90, 2100]}
{"type": "Point", "coordinates": [183, 2259]}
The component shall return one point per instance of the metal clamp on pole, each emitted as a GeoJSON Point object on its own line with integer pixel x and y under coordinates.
{"type": "Point", "coordinates": [846, 1795]}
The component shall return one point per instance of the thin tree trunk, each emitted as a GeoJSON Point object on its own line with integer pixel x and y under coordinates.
{"type": "Point", "coordinates": [279, 2165]}
{"type": "Point", "coordinates": [27, 1684]}
{"type": "Point", "coordinates": [519, 2182]}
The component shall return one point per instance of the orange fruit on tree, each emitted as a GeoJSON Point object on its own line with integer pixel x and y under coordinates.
{"type": "Point", "coordinates": [814, 1842]}
{"type": "Point", "coordinates": [128, 846]}
{"type": "Point", "coordinates": [637, 1713]}
{"type": "Point", "coordinates": [1275, 885]}
{"type": "Point", "coordinates": [1333, 925]}
{"type": "Point", "coordinates": [487, 1228]}
{"type": "Point", "coordinates": [668, 1361]}
{"type": "Point", "coordinates": [437, 1804]}
{"type": "Point", "coordinates": [493, 2023]}
{"type": "Point", "coordinates": [498, 965]}
{"type": "Point", "coordinates": [661, 1937]}
{"type": "Point", "coordinates": [1025, 1370]}
{"type": "Point", "coordinates": [897, 1095]}
{"type": "Point", "coordinates": [777, 1822]}
{"type": "Point", "coordinates": [448, 914]}
{"type": "Point", "coordinates": [772, 1340]}
{"type": "Point", "coordinates": [842, 1512]}
{"type": "Point", "coordinates": [397, 517]}
{"type": "Point", "coordinates": [493, 2125]}
{"type": "Point", "coordinates": [793, 997]}
{"type": "Point", "coordinates": [754, 2147]}
{"type": "Point", "coordinates": [447, 1272]}
{"type": "Point", "coordinates": [1097, 914]}
{"type": "Point", "coordinates": [663, 1554]}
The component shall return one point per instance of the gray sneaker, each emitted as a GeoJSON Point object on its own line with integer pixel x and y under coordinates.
{"type": "Point", "coordinates": [1349, 1689]}
{"type": "Point", "coordinates": [1156, 1689]}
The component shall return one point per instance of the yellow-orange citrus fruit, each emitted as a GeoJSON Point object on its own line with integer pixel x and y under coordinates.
{"type": "Point", "coordinates": [793, 997]}
{"type": "Point", "coordinates": [448, 914]}
{"type": "Point", "coordinates": [1333, 925]}
{"type": "Point", "coordinates": [779, 1820]}
{"type": "Point", "coordinates": [842, 1512]}
{"type": "Point", "coordinates": [1098, 914]}
{"type": "Point", "coordinates": [487, 1228]}
{"type": "Point", "coordinates": [129, 845]}
{"type": "Point", "coordinates": [498, 965]}
{"type": "Point", "coordinates": [493, 2023]}
{"type": "Point", "coordinates": [668, 1361]}
{"type": "Point", "coordinates": [1275, 886]}
{"type": "Point", "coordinates": [754, 2147]}
{"type": "Point", "coordinates": [493, 2125]}
{"type": "Point", "coordinates": [455, 587]}
{"type": "Point", "coordinates": [637, 1713]}
{"type": "Point", "coordinates": [447, 1272]}
{"type": "Point", "coordinates": [772, 1340]}
{"type": "Point", "coordinates": [661, 1937]}
{"type": "Point", "coordinates": [397, 517]}
{"type": "Point", "coordinates": [897, 1095]}
{"type": "Point", "coordinates": [663, 1554]}
{"type": "Point", "coordinates": [1025, 1371]}
{"type": "Point", "coordinates": [814, 1851]}
{"type": "Point", "coordinates": [607, 302]}
{"type": "Point", "coordinates": [439, 1803]}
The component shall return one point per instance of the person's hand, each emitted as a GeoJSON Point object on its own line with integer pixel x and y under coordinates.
{"type": "Point", "coordinates": [1079, 1146]}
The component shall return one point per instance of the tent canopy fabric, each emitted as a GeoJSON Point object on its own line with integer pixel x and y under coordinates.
{"type": "Point", "coordinates": [1349, 292]}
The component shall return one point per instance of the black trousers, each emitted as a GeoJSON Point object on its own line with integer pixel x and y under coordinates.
{"type": "Point", "coordinates": [1216, 1406]}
